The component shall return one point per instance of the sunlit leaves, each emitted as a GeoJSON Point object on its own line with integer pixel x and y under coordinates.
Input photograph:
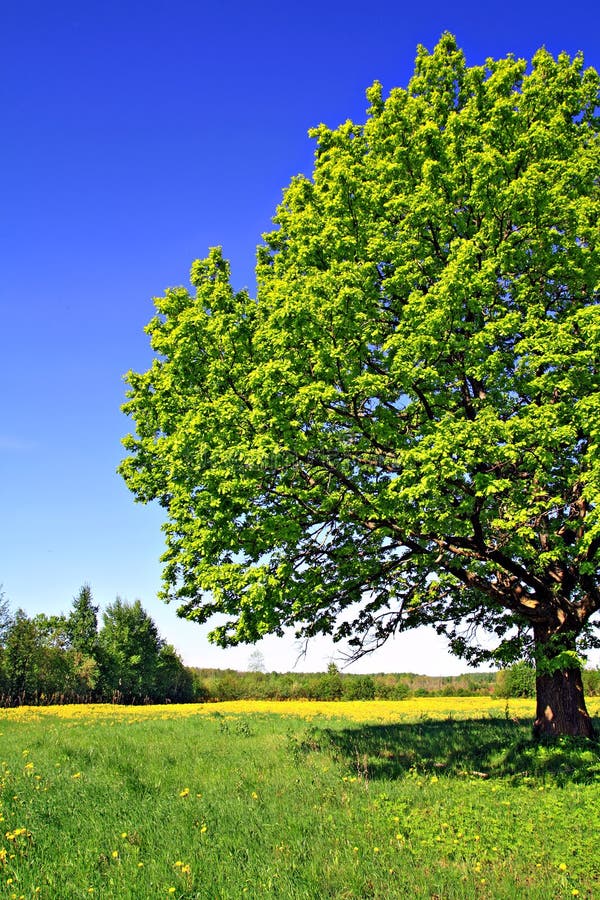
{"type": "Point", "coordinates": [401, 427]}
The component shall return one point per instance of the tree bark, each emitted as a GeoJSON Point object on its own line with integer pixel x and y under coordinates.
{"type": "Point", "coordinates": [561, 706]}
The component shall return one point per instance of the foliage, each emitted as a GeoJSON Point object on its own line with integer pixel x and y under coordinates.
{"type": "Point", "coordinates": [5, 616]}
{"type": "Point", "coordinates": [591, 680]}
{"type": "Point", "coordinates": [329, 686]}
{"type": "Point", "coordinates": [217, 684]}
{"type": "Point", "coordinates": [82, 624]}
{"type": "Point", "coordinates": [401, 429]}
{"type": "Point", "coordinates": [60, 659]}
{"type": "Point", "coordinates": [22, 656]}
{"type": "Point", "coordinates": [172, 680]}
{"type": "Point", "coordinates": [129, 645]}
{"type": "Point", "coordinates": [130, 803]}
{"type": "Point", "coordinates": [516, 681]}
{"type": "Point", "coordinates": [361, 688]}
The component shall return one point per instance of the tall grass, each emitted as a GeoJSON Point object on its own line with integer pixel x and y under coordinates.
{"type": "Point", "coordinates": [204, 802]}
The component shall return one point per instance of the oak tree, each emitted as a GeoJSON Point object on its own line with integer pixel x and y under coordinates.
{"type": "Point", "coordinates": [402, 427]}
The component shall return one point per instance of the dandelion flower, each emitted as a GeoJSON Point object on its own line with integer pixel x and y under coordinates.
{"type": "Point", "coordinates": [184, 793]}
{"type": "Point", "coordinates": [562, 867]}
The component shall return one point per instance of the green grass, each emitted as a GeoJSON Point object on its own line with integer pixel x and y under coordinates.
{"type": "Point", "coordinates": [268, 806]}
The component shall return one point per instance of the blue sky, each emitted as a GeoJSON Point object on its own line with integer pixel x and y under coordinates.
{"type": "Point", "coordinates": [135, 135]}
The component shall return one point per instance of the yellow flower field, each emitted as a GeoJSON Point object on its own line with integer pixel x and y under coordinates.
{"type": "Point", "coordinates": [380, 711]}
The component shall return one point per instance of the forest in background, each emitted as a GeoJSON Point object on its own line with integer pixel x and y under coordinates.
{"type": "Point", "coordinates": [122, 658]}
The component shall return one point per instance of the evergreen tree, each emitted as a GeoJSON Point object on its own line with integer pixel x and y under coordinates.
{"type": "Point", "coordinates": [83, 622]}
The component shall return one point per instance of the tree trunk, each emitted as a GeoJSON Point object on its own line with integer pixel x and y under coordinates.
{"type": "Point", "coordinates": [561, 706]}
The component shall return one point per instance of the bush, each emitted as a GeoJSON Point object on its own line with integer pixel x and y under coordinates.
{"type": "Point", "coordinates": [516, 681]}
{"type": "Point", "coordinates": [358, 687]}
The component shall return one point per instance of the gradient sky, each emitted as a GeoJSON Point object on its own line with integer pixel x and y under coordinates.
{"type": "Point", "coordinates": [135, 135]}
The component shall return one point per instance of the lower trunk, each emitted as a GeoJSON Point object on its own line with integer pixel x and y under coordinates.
{"type": "Point", "coordinates": [560, 701]}
{"type": "Point", "coordinates": [561, 705]}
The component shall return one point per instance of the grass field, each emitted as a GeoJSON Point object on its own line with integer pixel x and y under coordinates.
{"type": "Point", "coordinates": [440, 798]}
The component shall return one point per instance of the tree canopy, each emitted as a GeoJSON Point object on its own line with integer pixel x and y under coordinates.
{"type": "Point", "coordinates": [401, 428]}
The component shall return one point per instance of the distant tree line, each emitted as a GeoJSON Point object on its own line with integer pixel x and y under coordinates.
{"type": "Point", "coordinates": [228, 684]}
{"type": "Point", "coordinates": [72, 658]}
{"type": "Point", "coordinates": [69, 658]}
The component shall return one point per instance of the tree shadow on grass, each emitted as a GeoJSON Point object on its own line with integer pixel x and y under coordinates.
{"type": "Point", "coordinates": [480, 748]}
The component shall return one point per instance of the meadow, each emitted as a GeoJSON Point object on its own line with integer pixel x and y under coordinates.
{"type": "Point", "coordinates": [429, 798]}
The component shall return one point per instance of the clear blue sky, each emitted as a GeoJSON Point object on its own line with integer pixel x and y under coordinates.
{"type": "Point", "coordinates": [135, 135]}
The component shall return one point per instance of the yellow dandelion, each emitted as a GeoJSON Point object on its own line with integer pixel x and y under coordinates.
{"type": "Point", "coordinates": [254, 795]}
{"type": "Point", "coordinates": [115, 854]}
{"type": "Point", "coordinates": [204, 828]}
{"type": "Point", "coordinates": [184, 793]}
{"type": "Point", "coordinates": [76, 775]}
{"type": "Point", "coordinates": [562, 867]}
{"type": "Point", "coordinates": [123, 834]}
